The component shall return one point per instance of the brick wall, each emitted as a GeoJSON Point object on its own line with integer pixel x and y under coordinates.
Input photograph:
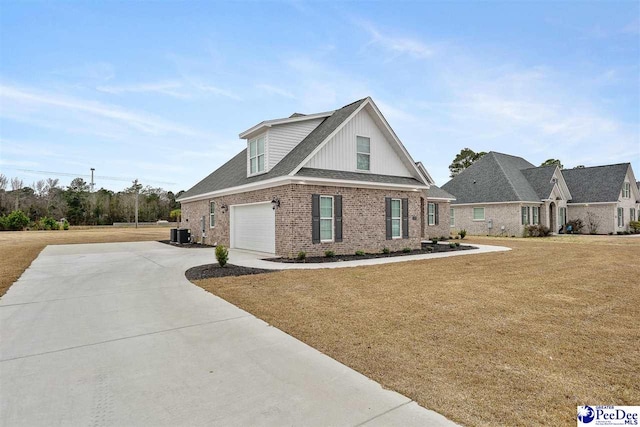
{"type": "Point", "coordinates": [443, 227]}
{"type": "Point", "coordinates": [363, 218]}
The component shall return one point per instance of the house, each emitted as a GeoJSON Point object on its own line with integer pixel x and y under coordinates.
{"type": "Point", "coordinates": [501, 194]}
{"type": "Point", "coordinates": [338, 180]}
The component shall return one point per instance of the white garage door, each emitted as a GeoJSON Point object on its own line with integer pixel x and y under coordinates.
{"type": "Point", "coordinates": [253, 227]}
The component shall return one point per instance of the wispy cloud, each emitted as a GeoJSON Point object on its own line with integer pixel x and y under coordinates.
{"type": "Point", "coordinates": [397, 45]}
{"type": "Point", "coordinates": [32, 100]}
{"type": "Point", "coordinates": [217, 91]}
{"type": "Point", "coordinates": [274, 90]}
{"type": "Point", "coordinates": [169, 88]}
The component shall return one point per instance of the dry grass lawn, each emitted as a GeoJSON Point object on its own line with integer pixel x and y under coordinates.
{"type": "Point", "coordinates": [19, 248]}
{"type": "Point", "coordinates": [512, 338]}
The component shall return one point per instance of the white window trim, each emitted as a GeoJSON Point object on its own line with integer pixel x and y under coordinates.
{"type": "Point", "coordinates": [431, 215]}
{"type": "Point", "coordinates": [368, 154]}
{"type": "Point", "coordinates": [626, 190]}
{"type": "Point", "coordinates": [212, 215]}
{"type": "Point", "coordinates": [524, 215]}
{"type": "Point", "coordinates": [562, 216]}
{"type": "Point", "coordinates": [473, 216]}
{"type": "Point", "coordinates": [333, 219]}
{"type": "Point", "coordinates": [535, 215]}
{"type": "Point", "coordinates": [264, 155]}
{"type": "Point", "coordinates": [620, 213]}
{"type": "Point", "coordinates": [398, 218]}
{"type": "Point", "coordinates": [452, 217]}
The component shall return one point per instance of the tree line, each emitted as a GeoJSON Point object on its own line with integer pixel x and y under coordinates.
{"type": "Point", "coordinates": [79, 206]}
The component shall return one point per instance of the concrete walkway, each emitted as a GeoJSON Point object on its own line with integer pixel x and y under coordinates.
{"type": "Point", "coordinates": [257, 259]}
{"type": "Point", "coordinates": [113, 334]}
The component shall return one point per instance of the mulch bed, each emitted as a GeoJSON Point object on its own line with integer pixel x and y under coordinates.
{"type": "Point", "coordinates": [214, 270]}
{"type": "Point", "coordinates": [186, 245]}
{"type": "Point", "coordinates": [427, 248]}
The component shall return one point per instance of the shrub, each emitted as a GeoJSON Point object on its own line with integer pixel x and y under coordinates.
{"type": "Point", "coordinates": [592, 223]}
{"type": "Point", "coordinates": [462, 233]}
{"type": "Point", "coordinates": [457, 244]}
{"type": "Point", "coordinates": [576, 225]}
{"type": "Point", "coordinates": [386, 251]}
{"type": "Point", "coordinates": [434, 240]}
{"type": "Point", "coordinates": [406, 250]}
{"type": "Point", "coordinates": [443, 238]}
{"type": "Point", "coordinates": [329, 254]}
{"type": "Point", "coordinates": [619, 233]}
{"type": "Point", "coordinates": [429, 249]}
{"type": "Point", "coordinates": [537, 230]}
{"type": "Point", "coordinates": [17, 220]}
{"type": "Point", "coordinates": [65, 225]}
{"type": "Point", "coordinates": [626, 233]}
{"type": "Point", "coordinates": [47, 223]}
{"type": "Point", "coordinates": [452, 245]}
{"type": "Point", "coordinates": [635, 226]}
{"type": "Point", "coordinates": [302, 255]}
{"type": "Point", "coordinates": [3, 223]}
{"type": "Point", "coordinates": [457, 237]}
{"type": "Point", "coordinates": [222, 255]}
{"type": "Point", "coordinates": [360, 253]}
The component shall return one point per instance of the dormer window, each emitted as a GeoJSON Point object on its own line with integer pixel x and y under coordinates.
{"type": "Point", "coordinates": [256, 155]}
{"type": "Point", "coordinates": [363, 153]}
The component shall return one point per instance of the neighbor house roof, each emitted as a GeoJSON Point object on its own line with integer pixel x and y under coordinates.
{"type": "Point", "coordinates": [435, 192]}
{"type": "Point", "coordinates": [597, 183]}
{"type": "Point", "coordinates": [234, 172]}
{"type": "Point", "coordinates": [494, 178]}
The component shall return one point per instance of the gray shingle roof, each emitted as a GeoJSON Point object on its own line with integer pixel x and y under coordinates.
{"type": "Point", "coordinates": [596, 184]}
{"type": "Point", "coordinates": [234, 172]}
{"type": "Point", "coordinates": [540, 179]}
{"type": "Point", "coordinates": [438, 193]}
{"type": "Point", "coordinates": [356, 176]}
{"type": "Point", "coordinates": [495, 177]}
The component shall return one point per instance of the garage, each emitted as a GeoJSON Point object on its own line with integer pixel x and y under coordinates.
{"type": "Point", "coordinates": [253, 227]}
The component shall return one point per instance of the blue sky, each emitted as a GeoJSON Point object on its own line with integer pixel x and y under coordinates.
{"type": "Point", "coordinates": [161, 90]}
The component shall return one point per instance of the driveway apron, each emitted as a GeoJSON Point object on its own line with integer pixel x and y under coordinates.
{"type": "Point", "coordinates": [113, 334]}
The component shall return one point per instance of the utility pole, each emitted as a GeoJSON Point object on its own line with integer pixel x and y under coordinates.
{"type": "Point", "coordinates": [92, 170]}
{"type": "Point", "coordinates": [135, 184]}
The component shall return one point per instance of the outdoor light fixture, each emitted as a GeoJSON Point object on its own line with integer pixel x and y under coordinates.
{"type": "Point", "coordinates": [275, 203]}
{"type": "Point", "coordinates": [224, 208]}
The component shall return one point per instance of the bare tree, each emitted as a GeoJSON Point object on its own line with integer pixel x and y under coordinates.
{"type": "Point", "coordinates": [592, 222]}
{"type": "Point", "coordinates": [16, 186]}
{"type": "Point", "coordinates": [3, 181]}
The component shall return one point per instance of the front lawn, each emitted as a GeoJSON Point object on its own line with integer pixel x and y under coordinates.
{"type": "Point", "coordinates": [508, 338]}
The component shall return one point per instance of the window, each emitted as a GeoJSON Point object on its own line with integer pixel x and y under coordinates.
{"type": "Point", "coordinates": [256, 155]}
{"type": "Point", "coordinates": [536, 215]}
{"type": "Point", "coordinates": [396, 218]}
{"type": "Point", "coordinates": [524, 213]}
{"type": "Point", "coordinates": [626, 190]}
{"type": "Point", "coordinates": [432, 214]}
{"type": "Point", "coordinates": [326, 218]}
{"type": "Point", "coordinates": [620, 217]}
{"type": "Point", "coordinates": [363, 153]}
{"type": "Point", "coordinates": [632, 214]}
{"type": "Point", "coordinates": [212, 214]}
{"type": "Point", "coordinates": [562, 216]}
{"type": "Point", "coordinates": [478, 214]}
{"type": "Point", "coordinates": [452, 217]}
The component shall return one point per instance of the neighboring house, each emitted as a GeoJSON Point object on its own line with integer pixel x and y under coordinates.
{"type": "Point", "coordinates": [501, 194]}
{"type": "Point", "coordinates": [605, 196]}
{"type": "Point", "coordinates": [339, 180]}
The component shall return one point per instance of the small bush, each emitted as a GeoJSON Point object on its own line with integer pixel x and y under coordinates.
{"type": "Point", "coordinates": [619, 233]}
{"type": "Point", "coordinates": [452, 245]}
{"type": "Point", "coordinates": [386, 251]}
{"type": "Point", "coordinates": [360, 253]}
{"type": "Point", "coordinates": [434, 240]}
{"type": "Point", "coordinates": [537, 230]}
{"type": "Point", "coordinates": [576, 225]}
{"type": "Point", "coordinates": [406, 250]}
{"type": "Point", "coordinates": [463, 233]}
{"type": "Point", "coordinates": [17, 220]}
{"type": "Point", "coordinates": [47, 223]}
{"type": "Point", "coordinates": [457, 237]}
{"type": "Point", "coordinates": [3, 223]}
{"type": "Point", "coordinates": [610, 233]}
{"type": "Point", "coordinates": [329, 254]}
{"type": "Point", "coordinates": [626, 233]}
{"type": "Point", "coordinates": [635, 226]}
{"type": "Point", "coordinates": [302, 255]}
{"type": "Point", "coordinates": [429, 249]}
{"type": "Point", "coordinates": [457, 244]}
{"type": "Point", "coordinates": [65, 225]}
{"type": "Point", "coordinates": [443, 238]}
{"type": "Point", "coordinates": [222, 255]}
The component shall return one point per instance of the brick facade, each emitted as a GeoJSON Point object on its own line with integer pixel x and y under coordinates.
{"type": "Point", "coordinates": [443, 227]}
{"type": "Point", "coordinates": [363, 218]}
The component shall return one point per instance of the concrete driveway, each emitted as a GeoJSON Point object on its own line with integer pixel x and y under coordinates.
{"type": "Point", "coordinates": [113, 334]}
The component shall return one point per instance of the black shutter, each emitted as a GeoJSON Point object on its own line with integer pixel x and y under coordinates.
{"type": "Point", "coordinates": [337, 206]}
{"type": "Point", "coordinates": [405, 218]}
{"type": "Point", "coordinates": [315, 218]}
{"type": "Point", "coordinates": [387, 216]}
{"type": "Point", "coordinates": [437, 213]}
